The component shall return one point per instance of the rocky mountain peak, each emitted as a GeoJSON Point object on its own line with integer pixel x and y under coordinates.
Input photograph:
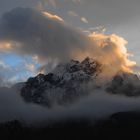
{"type": "Point", "coordinates": [126, 84]}
{"type": "Point", "coordinates": [63, 84]}
{"type": "Point", "coordinates": [70, 81]}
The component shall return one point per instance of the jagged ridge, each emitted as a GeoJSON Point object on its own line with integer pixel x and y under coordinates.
{"type": "Point", "coordinates": [69, 81]}
{"type": "Point", "coordinates": [63, 85]}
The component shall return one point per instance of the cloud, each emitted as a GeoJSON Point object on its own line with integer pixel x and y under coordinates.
{"type": "Point", "coordinates": [5, 46]}
{"type": "Point", "coordinates": [55, 17]}
{"type": "Point", "coordinates": [6, 74]}
{"type": "Point", "coordinates": [29, 32]}
{"type": "Point", "coordinates": [72, 13]}
{"type": "Point", "coordinates": [47, 39]}
{"type": "Point", "coordinates": [51, 2]}
{"type": "Point", "coordinates": [31, 67]}
{"type": "Point", "coordinates": [97, 105]}
{"type": "Point", "coordinates": [11, 74]}
{"type": "Point", "coordinates": [83, 19]}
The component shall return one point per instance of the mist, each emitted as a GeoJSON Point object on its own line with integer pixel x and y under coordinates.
{"type": "Point", "coordinates": [97, 105]}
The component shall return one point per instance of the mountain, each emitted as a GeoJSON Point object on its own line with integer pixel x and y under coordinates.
{"type": "Point", "coordinates": [64, 85]}
{"type": "Point", "coordinates": [70, 81]}
{"type": "Point", "coordinates": [126, 84]}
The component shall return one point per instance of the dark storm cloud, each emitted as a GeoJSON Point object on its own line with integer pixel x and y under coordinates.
{"type": "Point", "coordinates": [32, 32]}
{"type": "Point", "coordinates": [6, 5]}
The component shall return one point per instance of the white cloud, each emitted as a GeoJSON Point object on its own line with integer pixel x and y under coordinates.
{"type": "Point", "coordinates": [31, 68]}
{"type": "Point", "coordinates": [83, 19]}
{"type": "Point", "coordinates": [2, 64]}
{"type": "Point", "coordinates": [10, 75]}
{"type": "Point", "coordinates": [55, 17]}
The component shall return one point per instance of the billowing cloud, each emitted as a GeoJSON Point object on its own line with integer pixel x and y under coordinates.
{"type": "Point", "coordinates": [29, 32]}
{"type": "Point", "coordinates": [111, 51]}
{"type": "Point", "coordinates": [46, 38]}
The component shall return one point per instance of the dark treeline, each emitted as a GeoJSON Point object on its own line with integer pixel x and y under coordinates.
{"type": "Point", "coordinates": [118, 126]}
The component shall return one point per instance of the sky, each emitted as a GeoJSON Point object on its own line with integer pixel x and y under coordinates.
{"type": "Point", "coordinates": [121, 17]}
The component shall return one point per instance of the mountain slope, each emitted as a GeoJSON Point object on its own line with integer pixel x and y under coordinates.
{"type": "Point", "coordinates": [126, 84]}
{"type": "Point", "coordinates": [70, 81]}
{"type": "Point", "coordinates": [64, 85]}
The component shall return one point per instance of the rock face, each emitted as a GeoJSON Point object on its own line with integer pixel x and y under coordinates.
{"type": "Point", "coordinates": [69, 81]}
{"type": "Point", "coordinates": [125, 83]}
{"type": "Point", "coordinates": [63, 85]}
